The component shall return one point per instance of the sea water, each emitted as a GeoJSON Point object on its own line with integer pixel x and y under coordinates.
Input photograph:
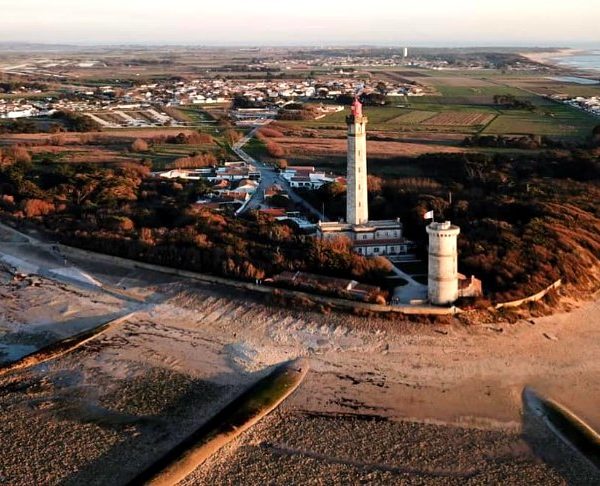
{"type": "Point", "coordinates": [588, 60]}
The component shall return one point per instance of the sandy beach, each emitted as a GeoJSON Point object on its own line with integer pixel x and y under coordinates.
{"type": "Point", "coordinates": [384, 401]}
{"type": "Point", "coordinates": [548, 57]}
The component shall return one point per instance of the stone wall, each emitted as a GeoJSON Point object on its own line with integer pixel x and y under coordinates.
{"type": "Point", "coordinates": [532, 298]}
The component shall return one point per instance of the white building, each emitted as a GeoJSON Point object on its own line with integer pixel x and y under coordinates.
{"type": "Point", "coordinates": [306, 177]}
{"type": "Point", "coordinates": [369, 238]}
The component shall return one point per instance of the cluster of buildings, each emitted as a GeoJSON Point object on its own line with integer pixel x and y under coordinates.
{"type": "Point", "coordinates": [589, 104]}
{"type": "Point", "coordinates": [22, 108]}
{"type": "Point", "coordinates": [231, 183]}
{"type": "Point", "coordinates": [138, 106]}
{"type": "Point", "coordinates": [107, 113]}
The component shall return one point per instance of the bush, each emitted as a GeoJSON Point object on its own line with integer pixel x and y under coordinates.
{"type": "Point", "coordinates": [18, 154]}
{"type": "Point", "coordinates": [275, 150]}
{"type": "Point", "coordinates": [270, 132]}
{"type": "Point", "coordinates": [34, 208]}
{"type": "Point", "coordinates": [139, 145]}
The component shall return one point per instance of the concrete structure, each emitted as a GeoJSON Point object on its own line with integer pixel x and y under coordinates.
{"type": "Point", "coordinates": [357, 206]}
{"type": "Point", "coordinates": [443, 263]}
{"type": "Point", "coordinates": [369, 238]}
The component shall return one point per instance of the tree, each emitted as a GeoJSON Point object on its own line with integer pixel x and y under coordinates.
{"type": "Point", "coordinates": [232, 136]}
{"type": "Point", "coordinates": [139, 145]}
{"type": "Point", "coordinates": [18, 154]}
{"type": "Point", "coordinates": [274, 149]}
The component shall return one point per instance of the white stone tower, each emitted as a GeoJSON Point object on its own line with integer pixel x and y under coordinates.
{"type": "Point", "coordinates": [357, 206]}
{"type": "Point", "coordinates": [442, 285]}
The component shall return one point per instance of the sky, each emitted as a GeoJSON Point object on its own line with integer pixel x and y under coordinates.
{"type": "Point", "coordinates": [302, 22]}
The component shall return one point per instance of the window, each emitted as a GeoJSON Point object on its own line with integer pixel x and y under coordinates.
{"type": "Point", "coordinates": [376, 250]}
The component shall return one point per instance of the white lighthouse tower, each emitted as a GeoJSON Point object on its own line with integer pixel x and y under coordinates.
{"type": "Point", "coordinates": [368, 238]}
{"type": "Point", "coordinates": [443, 263]}
{"type": "Point", "coordinates": [357, 207]}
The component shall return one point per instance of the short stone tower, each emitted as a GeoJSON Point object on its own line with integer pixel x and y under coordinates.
{"type": "Point", "coordinates": [442, 285]}
{"type": "Point", "coordinates": [357, 205]}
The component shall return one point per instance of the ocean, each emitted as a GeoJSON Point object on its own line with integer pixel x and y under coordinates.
{"type": "Point", "coordinates": [588, 60]}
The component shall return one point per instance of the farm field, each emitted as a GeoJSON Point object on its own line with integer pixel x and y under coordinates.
{"type": "Point", "coordinates": [470, 110]}
{"type": "Point", "coordinates": [450, 118]}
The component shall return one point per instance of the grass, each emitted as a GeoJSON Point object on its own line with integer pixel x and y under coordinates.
{"type": "Point", "coordinates": [550, 118]}
{"type": "Point", "coordinates": [553, 119]}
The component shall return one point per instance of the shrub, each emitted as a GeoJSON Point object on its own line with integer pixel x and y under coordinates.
{"type": "Point", "coordinates": [34, 208]}
{"type": "Point", "coordinates": [139, 145]}
{"type": "Point", "coordinates": [275, 150]}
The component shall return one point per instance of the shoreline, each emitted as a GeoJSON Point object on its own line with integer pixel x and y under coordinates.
{"type": "Point", "coordinates": [552, 59]}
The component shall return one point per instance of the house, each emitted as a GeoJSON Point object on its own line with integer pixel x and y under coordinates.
{"type": "Point", "coordinates": [274, 190]}
{"type": "Point", "coordinates": [249, 186]}
{"type": "Point", "coordinates": [306, 177]}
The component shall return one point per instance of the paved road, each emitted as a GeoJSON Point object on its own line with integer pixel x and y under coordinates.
{"type": "Point", "coordinates": [268, 177]}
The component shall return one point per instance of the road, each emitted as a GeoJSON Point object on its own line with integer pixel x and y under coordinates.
{"type": "Point", "coordinates": [269, 176]}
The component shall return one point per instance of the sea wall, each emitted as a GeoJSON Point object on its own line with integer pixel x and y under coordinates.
{"type": "Point", "coordinates": [532, 298]}
{"type": "Point", "coordinates": [262, 289]}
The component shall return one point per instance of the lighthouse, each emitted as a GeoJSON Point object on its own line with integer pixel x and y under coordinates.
{"type": "Point", "coordinates": [443, 263]}
{"type": "Point", "coordinates": [357, 206]}
{"type": "Point", "coordinates": [368, 237]}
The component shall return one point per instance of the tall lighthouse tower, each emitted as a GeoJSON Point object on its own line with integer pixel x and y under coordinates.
{"type": "Point", "coordinates": [357, 208]}
{"type": "Point", "coordinates": [369, 238]}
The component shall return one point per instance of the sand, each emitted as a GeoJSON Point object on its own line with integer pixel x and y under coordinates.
{"type": "Point", "coordinates": [384, 401]}
{"type": "Point", "coordinates": [547, 57]}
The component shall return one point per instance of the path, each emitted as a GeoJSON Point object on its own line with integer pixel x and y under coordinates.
{"type": "Point", "coordinates": [268, 177]}
{"type": "Point", "coordinates": [413, 290]}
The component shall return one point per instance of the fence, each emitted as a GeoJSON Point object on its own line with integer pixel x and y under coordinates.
{"type": "Point", "coordinates": [531, 298]}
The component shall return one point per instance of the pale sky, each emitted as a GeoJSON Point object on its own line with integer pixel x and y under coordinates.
{"type": "Point", "coordinates": [302, 22]}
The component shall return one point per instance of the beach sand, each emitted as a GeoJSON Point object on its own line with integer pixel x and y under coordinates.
{"type": "Point", "coordinates": [548, 57]}
{"type": "Point", "coordinates": [384, 401]}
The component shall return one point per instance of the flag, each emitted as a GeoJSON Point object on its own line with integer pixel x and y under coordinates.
{"type": "Point", "coordinates": [428, 215]}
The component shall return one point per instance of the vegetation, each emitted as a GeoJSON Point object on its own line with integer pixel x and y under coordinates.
{"type": "Point", "coordinates": [525, 220]}
{"type": "Point", "coordinates": [76, 122]}
{"type": "Point", "coordinates": [120, 210]}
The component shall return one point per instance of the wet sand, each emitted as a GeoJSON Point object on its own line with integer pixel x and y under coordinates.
{"type": "Point", "coordinates": [384, 401]}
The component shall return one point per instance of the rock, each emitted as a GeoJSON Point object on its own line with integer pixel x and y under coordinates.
{"type": "Point", "coordinates": [551, 337]}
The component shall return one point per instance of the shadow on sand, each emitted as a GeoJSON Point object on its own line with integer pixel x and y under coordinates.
{"type": "Point", "coordinates": [147, 438]}
{"type": "Point", "coordinates": [559, 439]}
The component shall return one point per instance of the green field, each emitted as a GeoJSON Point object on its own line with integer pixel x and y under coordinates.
{"type": "Point", "coordinates": [470, 110]}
